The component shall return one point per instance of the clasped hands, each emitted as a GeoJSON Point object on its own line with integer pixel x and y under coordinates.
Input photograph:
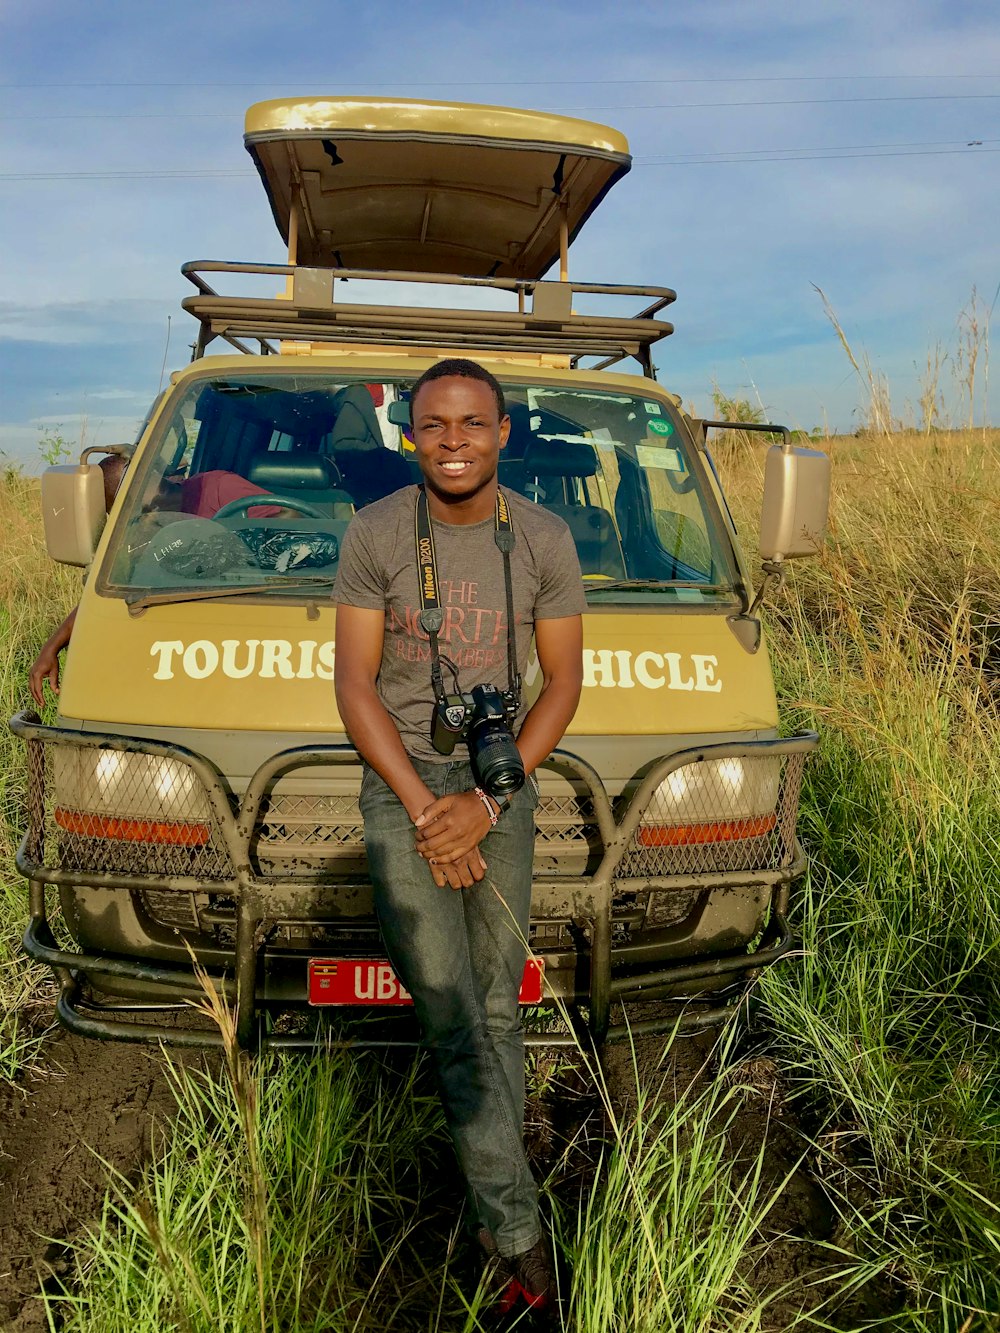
{"type": "Point", "coordinates": [449, 832]}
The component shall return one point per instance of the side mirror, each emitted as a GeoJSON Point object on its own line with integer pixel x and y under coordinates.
{"type": "Point", "coordinates": [796, 502]}
{"type": "Point", "coordinates": [73, 507]}
{"type": "Point", "coordinates": [73, 511]}
{"type": "Point", "coordinates": [399, 412]}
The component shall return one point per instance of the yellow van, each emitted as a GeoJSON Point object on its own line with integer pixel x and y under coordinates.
{"type": "Point", "coordinates": [197, 798]}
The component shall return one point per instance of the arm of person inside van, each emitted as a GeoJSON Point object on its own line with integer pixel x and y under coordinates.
{"type": "Point", "coordinates": [373, 733]}
{"type": "Point", "coordinates": [446, 826]}
{"type": "Point", "coordinates": [46, 664]}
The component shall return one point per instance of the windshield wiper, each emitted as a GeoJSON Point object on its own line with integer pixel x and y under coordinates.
{"type": "Point", "coordinates": [172, 595]}
{"type": "Point", "coordinates": [644, 585]}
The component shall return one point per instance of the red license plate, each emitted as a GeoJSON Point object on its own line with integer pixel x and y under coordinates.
{"type": "Point", "coordinates": [366, 981]}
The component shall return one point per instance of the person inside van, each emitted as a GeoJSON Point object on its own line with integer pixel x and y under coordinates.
{"type": "Point", "coordinates": [451, 864]}
{"type": "Point", "coordinates": [46, 665]}
{"type": "Point", "coordinates": [203, 494]}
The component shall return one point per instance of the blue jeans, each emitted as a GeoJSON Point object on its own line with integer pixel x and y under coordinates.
{"type": "Point", "coordinates": [461, 954]}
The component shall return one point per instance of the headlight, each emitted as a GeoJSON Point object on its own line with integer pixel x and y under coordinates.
{"type": "Point", "coordinates": [713, 801]}
{"type": "Point", "coordinates": [131, 797]}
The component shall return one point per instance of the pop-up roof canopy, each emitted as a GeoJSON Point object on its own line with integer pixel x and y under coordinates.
{"type": "Point", "coordinates": [432, 187]}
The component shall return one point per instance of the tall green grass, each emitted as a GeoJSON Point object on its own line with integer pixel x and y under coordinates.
{"type": "Point", "coordinates": [292, 1195]}
{"type": "Point", "coordinates": [305, 1194]}
{"type": "Point", "coordinates": [889, 1026]}
{"type": "Point", "coordinates": [671, 1237]}
{"type": "Point", "coordinates": [35, 594]}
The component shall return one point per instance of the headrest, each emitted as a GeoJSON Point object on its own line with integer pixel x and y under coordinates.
{"type": "Point", "coordinates": [560, 458]}
{"type": "Point", "coordinates": [370, 474]}
{"type": "Point", "coordinates": [293, 472]}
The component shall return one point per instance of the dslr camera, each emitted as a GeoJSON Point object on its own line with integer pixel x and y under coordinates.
{"type": "Point", "coordinates": [482, 720]}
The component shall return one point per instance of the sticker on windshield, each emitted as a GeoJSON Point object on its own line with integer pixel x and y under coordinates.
{"type": "Point", "coordinates": [653, 455]}
{"type": "Point", "coordinates": [652, 409]}
{"type": "Point", "coordinates": [660, 427]}
{"type": "Point", "coordinates": [598, 439]}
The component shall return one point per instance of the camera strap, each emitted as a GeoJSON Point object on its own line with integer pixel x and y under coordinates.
{"type": "Point", "coordinates": [431, 614]}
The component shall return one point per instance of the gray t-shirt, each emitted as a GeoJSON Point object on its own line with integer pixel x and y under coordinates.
{"type": "Point", "coordinates": [378, 571]}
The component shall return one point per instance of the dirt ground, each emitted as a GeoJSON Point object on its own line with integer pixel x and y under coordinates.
{"type": "Point", "coordinates": [90, 1101]}
{"type": "Point", "coordinates": [87, 1098]}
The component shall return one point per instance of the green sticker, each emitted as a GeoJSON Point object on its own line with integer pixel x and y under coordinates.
{"type": "Point", "coordinates": [660, 427]}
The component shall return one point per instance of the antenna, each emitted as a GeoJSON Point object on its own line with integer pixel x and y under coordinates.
{"type": "Point", "coordinates": [166, 349]}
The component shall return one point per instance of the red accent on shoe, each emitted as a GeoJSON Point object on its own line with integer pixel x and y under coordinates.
{"type": "Point", "coordinates": [508, 1297]}
{"type": "Point", "coordinates": [539, 1302]}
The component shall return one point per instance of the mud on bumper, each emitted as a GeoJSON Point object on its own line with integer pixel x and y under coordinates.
{"type": "Point", "coordinates": [157, 863]}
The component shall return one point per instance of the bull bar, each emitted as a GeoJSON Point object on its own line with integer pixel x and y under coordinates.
{"type": "Point", "coordinates": [262, 899]}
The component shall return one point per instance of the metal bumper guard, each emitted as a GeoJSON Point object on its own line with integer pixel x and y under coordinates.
{"type": "Point", "coordinates": [224, 864]}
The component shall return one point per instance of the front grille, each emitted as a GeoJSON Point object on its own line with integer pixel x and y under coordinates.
{"type": "Point", "coordinates": [318, 828]}
{"type": "Point", "coordinates": [564, 821]}
{"type": "Point", "coordinates": [308, 828]}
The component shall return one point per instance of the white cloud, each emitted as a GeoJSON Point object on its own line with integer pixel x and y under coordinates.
{"type": "Point", "coordinates": [896, 242]}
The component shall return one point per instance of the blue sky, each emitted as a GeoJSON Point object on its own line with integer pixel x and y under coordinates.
{"type": "Point", "coordinates": [776, 147]}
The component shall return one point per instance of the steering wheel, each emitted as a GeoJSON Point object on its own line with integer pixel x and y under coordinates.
{"type": "Point", "coordinates": [245, 502]}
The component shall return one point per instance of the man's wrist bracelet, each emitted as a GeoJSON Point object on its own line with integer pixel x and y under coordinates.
{"type": "Point", "coordinates": [487, 801]}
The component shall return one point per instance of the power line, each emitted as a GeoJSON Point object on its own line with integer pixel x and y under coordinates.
{"type": "Point", "coordinates": [522, 83]}
{"type": "Point", "coordinates": [620, 106]}
{"type": "Point", "coordinates": [180, 174]}
{"type": "Point", "coordinates": [808, 157]}
{"type": "Point", "coordinates": [732, 159]}
{"type": "Point", "coordinates": [133, 115]}
{"type": "Point", "coordinates": [787, 101]}
{"type": "Point", "coordinates": [701, 156]}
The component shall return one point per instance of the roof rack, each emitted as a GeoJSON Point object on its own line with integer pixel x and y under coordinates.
{"type": "Point", "coordinates": [307, 312]}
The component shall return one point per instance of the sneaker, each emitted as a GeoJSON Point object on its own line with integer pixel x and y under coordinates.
{"type": "Point", "coordinates": [532, 1279]}
{"type": "Point", "coordinates": [496, 1273]}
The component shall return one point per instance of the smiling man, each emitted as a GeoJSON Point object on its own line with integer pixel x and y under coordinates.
{"type": "Point", "coordinates": [450, 864]}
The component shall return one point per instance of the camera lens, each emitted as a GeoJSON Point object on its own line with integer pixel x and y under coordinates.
{"type": "Point", "coordinates": [496, 760]}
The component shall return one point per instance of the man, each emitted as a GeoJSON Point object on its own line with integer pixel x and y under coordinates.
{"type": "Point", "coordinates": [451, 868]}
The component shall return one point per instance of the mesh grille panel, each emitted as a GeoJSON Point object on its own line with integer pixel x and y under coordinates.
{"type": "Point", "coordinates": [107, 810]}
{"type": "Point", "coordinates": [564, 820]}
{"type": "Point", "coordinates": [310, 826]}
{"type": "Point", "coordinates": [717, 816]}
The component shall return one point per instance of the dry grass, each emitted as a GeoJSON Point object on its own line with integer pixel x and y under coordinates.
{"type": "Point", "coordinates": [34, 596]}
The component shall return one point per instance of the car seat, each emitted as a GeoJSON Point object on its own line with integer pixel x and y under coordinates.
{"type": "Point", "coordinates": [592, 527]}
{"type": "Point", "coordinates": [355, 425]}
{"type": "Point", "coordinates": [372, 474]}
{"type": "Point", "coordinates": [308, 475]}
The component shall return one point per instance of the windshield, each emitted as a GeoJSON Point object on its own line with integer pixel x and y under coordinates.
{"type": "Point", "coordinates": [254, 480]}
